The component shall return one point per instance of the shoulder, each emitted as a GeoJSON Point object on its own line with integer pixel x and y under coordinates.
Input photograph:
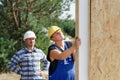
{"type": "Point", "coordinates": [38, 50]}
{"type": "Point", "coordinates": [22, 51]}
{"type": "Point", "coordinates": [51, 47]}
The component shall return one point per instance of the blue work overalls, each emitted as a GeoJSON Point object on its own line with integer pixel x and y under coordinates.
{"type": "Point", "coordinates": [64, 68]}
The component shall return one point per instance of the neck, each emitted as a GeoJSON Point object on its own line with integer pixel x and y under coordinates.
{"type": "Point", "coordinates": [60, 44]}
{"type": "Point", "coordinates": [30, 49]}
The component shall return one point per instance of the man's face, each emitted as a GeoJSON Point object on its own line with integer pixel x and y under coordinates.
{"type": "Point", "coordinates": [30, 42]}
{"type": "Point", "coordinates": [58, 36]}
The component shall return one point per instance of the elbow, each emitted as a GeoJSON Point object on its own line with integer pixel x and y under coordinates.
{"type": "Point", "coordinates": [8, 65]}
{"type": "Point", "coordinates": [61, 57]}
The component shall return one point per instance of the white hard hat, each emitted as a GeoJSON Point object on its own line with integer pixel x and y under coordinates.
{"type": "Point", "coordinates": [29, 34]}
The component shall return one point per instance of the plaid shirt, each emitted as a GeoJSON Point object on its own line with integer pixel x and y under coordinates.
{"type": "Point", "coordinates": [29, 63]}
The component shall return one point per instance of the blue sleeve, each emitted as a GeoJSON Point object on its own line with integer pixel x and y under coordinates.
{"type": "Point", "coordinates": [13, 63]}
{"type": "Point", "coordinates": [45, 62]}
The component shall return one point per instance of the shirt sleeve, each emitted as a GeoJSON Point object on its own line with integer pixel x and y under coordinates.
{"type": "Point", "coordinates": [13, 64]}
{"type": "Point", "coordinates": [45, 62]}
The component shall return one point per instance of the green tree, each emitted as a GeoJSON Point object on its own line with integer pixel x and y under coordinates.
{"type": "Point", "coordinates": [18, 16]}
{"type": "Point", "coordinates": [68, 27]}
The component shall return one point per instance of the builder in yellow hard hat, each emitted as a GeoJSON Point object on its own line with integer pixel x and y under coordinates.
{"type": "Point", "coordinates": [61, 55]}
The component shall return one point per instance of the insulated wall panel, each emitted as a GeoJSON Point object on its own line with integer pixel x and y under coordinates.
{"type": "Point", "coordinates": [104, 56]}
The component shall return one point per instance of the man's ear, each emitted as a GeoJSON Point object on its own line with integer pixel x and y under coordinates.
{"type": "Point", "coordinates": [52, 38]}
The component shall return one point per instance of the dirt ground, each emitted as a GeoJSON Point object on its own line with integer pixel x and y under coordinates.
{"type": "Point", "coordinates": [9, 76]}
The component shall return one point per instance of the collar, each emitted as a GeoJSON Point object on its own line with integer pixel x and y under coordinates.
{"type": "Point", "coordinates": [27, 51]}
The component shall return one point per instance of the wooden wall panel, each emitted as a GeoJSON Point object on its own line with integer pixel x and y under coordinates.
{"type": "Point", "coordinates": [104, 60]}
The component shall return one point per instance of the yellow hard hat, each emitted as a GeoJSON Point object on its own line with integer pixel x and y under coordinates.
{"type": "Point", "coordinates": [52, 30]}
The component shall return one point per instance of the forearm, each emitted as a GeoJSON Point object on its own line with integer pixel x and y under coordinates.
{"type": "Point", "coordinates": [75, 54]}
{"type": "Point", "coordinates": [67, 53]}
{"type": "Point", "coordinates": [77, 44]}
{"type": "Point", "coordinates": [14, 68]}
{"type": "Point", "coordinates": [45, 64]}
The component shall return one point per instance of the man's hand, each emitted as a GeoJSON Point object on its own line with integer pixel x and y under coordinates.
{"type": "Point", "coordinates": [77, 42]}
{"type": "Point", "coordinates": [44, 74]}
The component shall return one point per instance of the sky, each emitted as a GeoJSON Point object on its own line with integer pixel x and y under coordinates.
{"type": "Point", "coordinates": [71, 12]}
{"type": "Point", "coordinates": [0, 3]}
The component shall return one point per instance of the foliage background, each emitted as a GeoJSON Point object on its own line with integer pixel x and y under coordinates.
{"type": "Point", "coordinates": [18, 16]}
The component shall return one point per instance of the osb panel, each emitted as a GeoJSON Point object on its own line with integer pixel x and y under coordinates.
{"type": "Point", "coordinates": [104, 61]}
